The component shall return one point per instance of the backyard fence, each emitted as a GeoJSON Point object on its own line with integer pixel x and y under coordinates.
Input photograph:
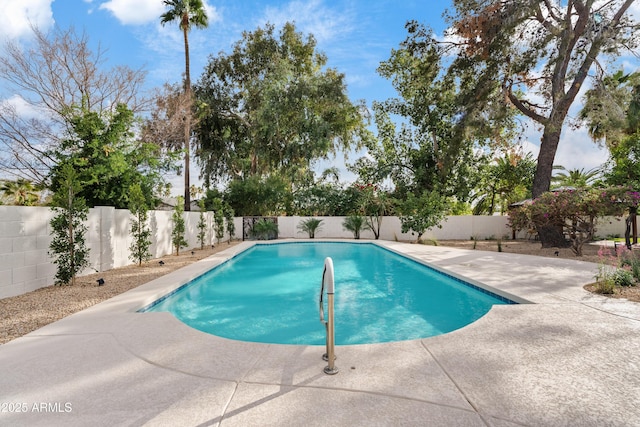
{"type": "Point", "coordinates": [25, 235]}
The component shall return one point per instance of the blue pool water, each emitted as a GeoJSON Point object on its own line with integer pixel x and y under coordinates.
{"type": "Point", "coordinates": [270, 293]}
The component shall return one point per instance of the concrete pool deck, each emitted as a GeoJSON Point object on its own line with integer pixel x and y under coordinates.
{"type": "Point", "coordinates": [571, 358]}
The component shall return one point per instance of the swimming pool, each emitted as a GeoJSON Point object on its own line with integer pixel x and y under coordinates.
{"type": "Point", "coordinates": [269, 293]}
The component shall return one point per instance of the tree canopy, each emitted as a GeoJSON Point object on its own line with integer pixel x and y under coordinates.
{"type": "Point", "coordinates": [272, 105]}
{"type": "Point", "coordinates": [612, 107]}
{"type": "Point", "coordinates": [612, 114]}
{"type": "Point", "coordinates": [430, 145]}
{"type": "Point", "coordinates": [108, 159]}
{"type": "Point", "coordinates": [540, 53]}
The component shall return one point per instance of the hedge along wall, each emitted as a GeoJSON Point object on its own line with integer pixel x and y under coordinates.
{"type": "Point", "coordinates": [25, 237]}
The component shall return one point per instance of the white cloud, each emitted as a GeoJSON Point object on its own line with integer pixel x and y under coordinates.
{"type": "Point", "coordinates": [18, 106]}
{"type": "Point", "coordinates": [313, 17]}
{"type": "Point", "coordinates": [134, 12]}
{"type": "Point", "coordinates": [17, 17]}
{"type": "Point", "coordinates": [212, 13]}
{"type": "Point", "coordinates": [138, 12]}
{"type": "Point", "coordinates": [576, 149]}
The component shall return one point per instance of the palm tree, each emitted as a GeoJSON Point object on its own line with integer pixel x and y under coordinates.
{"type": "Point", "coordinates": [505, 180]}
{"type": "Point", "coordinates": [310, 226]}
{"type": "Point", "coordinates": [21, 192]}
{"type": "Point", "coordinates": [188, 13]}
{"type": "Point", "coordinates": [354, 223]}
{"type": "Point", "coordinates": [578, 178]}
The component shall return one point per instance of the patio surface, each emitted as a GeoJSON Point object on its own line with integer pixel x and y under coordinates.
{"type": "Point", "coordinates": [571, 358]}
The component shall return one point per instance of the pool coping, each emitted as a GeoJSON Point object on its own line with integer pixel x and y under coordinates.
{"type": "Point", "coordinates": [534, 364]}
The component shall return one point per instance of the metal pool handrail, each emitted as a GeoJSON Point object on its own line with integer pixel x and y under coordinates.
{"type": "Point", "coordinates": [328, 281]}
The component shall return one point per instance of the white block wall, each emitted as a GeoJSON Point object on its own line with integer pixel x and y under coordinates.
{"type": "Point", "coordinates": [453, 228]}
{"type": "Point", "coordinates": [25, 235]}
{"type": "Point", "coordinates": [24, 242]}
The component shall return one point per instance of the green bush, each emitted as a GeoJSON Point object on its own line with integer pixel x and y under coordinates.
{"type": "Point", "coordinates": [228, 217]}
{"type": "Point", "coordinates": [68, 248]}
{"type": "Point", "coordinates": [623, 277]}
{"type": "Point", "coordinates": [179, 227]}
{"type": "Point", "coordinates": [354, 224]}
{"type": "Point", "coordinates": [265, 229]}
{"type": "Point", "coordinates": [310, 226]}
{"type": "Point", "coordinates": [575, 212]}
{"type": "Point", "coordinates": [140, 232]}
{"type": "Point", "coordinates": [635, 268]}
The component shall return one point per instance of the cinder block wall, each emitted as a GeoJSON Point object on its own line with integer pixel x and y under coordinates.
{"type": "Point", "coordinates": [453, 228]}
{"type": "Point", "coordinates": [24, 243]}
{"type": "Point", "coordinates": [25, 235]}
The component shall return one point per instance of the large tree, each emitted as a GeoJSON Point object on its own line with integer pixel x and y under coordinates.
{"type": "Point", "coordinates": [164, 126]}
{"type": "Point", "coordinates": [56, 71]}
{"type": "Point", "coordinates": [612, 112]}
{"type": "Point", "coordinates": [108, 160]}
{"type": "Point", "coordinates": [541, 53]}
{"type": "Point", "coordinates": [188, 14]}
{"type": "Point", "coordinates": [434, 153]}
{"type": "Point", "coordinates": [272, 105]}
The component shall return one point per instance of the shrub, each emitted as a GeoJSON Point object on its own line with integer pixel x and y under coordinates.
{"type": "Point", "coordinates": [228, 216]}
{"type": "Point", "coordinates": [607, 265]}
{"type": "Point", "coordinates": [354, 223]}
{"type": "Point", "coordinates": [68, 248]}
{"type": "Point", "coordinates": [635, 268]}
{"type": "Point", "coordinates": [310, 226]}
{"type": "Point", "coordinates": [631, 261]}
{"type": "Point", "coordinates": [623, 277]}
{"type": "Point", "coordinates": [139, 228]}
{"type": "Point", "coordinates": [575, 212]}
{"type": "Point", "coordinates": [265, 229]}
{"type": "Point", "coordinates": [418, 214]}
{"type": "Point", "coordinates": [218, 218]}
{"type": "Point", "coordinates": [619, 269]}
{"type": "Point", "coordinates": [202, 224]}
{"type": "Point", "coordinates": [604, 280]}
{"type": "Point", "coordinates": [177, 234]}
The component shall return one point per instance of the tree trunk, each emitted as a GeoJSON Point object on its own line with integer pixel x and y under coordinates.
{"type": "Point", "coordinates": [187, 124]}
{"type": "Point", "coordinates": [550, 236]}
{"type": "Point", "coordinates": [187, 161]}
{"type": "Point", "coordinates": [546, 157]}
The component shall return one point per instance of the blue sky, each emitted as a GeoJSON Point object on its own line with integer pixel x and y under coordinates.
{"type": "Point", "coordinates": [356, 35]}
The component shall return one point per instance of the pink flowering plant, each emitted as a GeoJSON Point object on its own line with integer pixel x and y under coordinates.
{"type": "Point", "coordinates": [575, 212]}
{"type": "Point", "coordinates": [617, 266]}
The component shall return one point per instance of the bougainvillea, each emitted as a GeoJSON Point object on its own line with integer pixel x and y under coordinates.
{"type": "Point", "coordinates": [575, 212]}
